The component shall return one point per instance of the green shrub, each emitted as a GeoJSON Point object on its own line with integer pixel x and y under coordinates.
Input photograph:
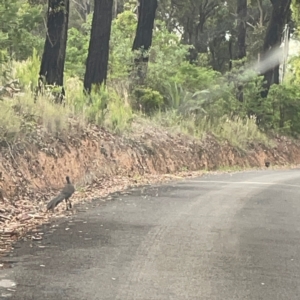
{"type": "Point", "coordinates": [166, 56]}
{"type": "Point", "coordinates": [10, 122]}
{"type": "Point", "coordinates": [20, 28]}
{"type": "Point", "coordinates": [194, 78]}
{"type": "Point", "coordinates": [121, 40]}
{"type": "Point", "coordinates": [237, 131]}
{"type": "Point", "coordinates": [147, 99]}
{"type": "Point", "coordinates": [27, 71]}
{"type": "Point", "coordinates": [77, 49]}
{"type": "Point", "coordinates": [119, 115]}
{"type": "Point", "coordinates": [284, 109]}
{"type": "Point", "coordinates": [97, 107]}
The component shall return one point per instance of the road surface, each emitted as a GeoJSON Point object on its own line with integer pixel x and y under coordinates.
{"type": "Point", "coordinates": [230, 236]}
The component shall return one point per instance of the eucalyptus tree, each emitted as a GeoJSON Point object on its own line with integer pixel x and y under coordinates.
{"type": "Point", "coordinates": [281, 15]}
{"type": "Point", "coordinates": [53, 59]}
{"type": "Point", "coordinates": [143, 37]}
{"type": "Point", "coordinates": [98, 53]}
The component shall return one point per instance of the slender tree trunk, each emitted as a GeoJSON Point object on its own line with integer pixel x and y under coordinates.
{"type": "Point", "coordinates": [241, 28]}
{"type": "Point", "coordinates": [115, 10]}
{"type": "Point", "coordinates": [98, 54]}
{"type": "Point", "coordinates": [53, 59]}
{"type": "Point", "coordinates": [230, 54]}
{"type": "Point", "coordinates": [241, 40]}
{"type": "Point", "coordinates": [279, 17]}
{"type": "Point", "coordinates": [261, 13]}
{"type": "Point", "coordinates": [143, 37]}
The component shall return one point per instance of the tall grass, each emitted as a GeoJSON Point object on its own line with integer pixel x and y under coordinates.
{"type": "Point", "coordinates": [237, 131]}
{"type": "Point", "coordinates": [103, 107]}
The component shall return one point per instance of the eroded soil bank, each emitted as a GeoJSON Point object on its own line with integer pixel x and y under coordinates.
{"type": "Point", "coordinates": [98, 162]}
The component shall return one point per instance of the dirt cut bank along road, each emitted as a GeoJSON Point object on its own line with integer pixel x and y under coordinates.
{"type": "Point", "coordinates": [216, 237]}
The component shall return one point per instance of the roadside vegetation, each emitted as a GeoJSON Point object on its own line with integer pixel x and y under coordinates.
{"type": "Point", "coordinates": [198, 85]}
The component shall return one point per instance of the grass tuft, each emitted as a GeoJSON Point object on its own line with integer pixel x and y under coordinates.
{"type": "Point", "coordinates": [237, 131]}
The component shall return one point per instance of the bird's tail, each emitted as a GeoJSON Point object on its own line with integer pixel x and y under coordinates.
{"type": "Point", "coordinates": [55, 201]}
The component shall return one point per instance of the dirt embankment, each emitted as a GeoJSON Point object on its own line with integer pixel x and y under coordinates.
{"type": "Point", "coordinates": [99, 162]}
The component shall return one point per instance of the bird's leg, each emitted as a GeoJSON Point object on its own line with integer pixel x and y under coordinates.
{"type": "Point", "coordinates": [67, 207]}
{"type": "Point", "coordinates": [70, 203]}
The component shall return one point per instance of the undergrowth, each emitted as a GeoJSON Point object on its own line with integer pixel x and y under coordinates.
{"type": "Point", "coordinates": [115, 108]}
{"type": "Point", "coordinates": [237, 131]}
{"type": "Point", "coordinates": [189, 98]}
{"type": "Point", "coordinates": [22, 113]}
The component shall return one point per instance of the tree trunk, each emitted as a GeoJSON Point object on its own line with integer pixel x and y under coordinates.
{"type": "Point", "coordinates": [115, 10]}
{"type": "Point", "coordinates": [261, 13]}
{"type": "Point", "coordinates": [279, 17]}
{"type": "Point", "coordinates": [98, 54]}
{"type": "Point", "coordinates": [241, 40]}
{"type": "Point", "coordinates": [241, 28]}
{"type": "Point", "coordinates": [53, 59]}
{"type": "Point", "coordinates": [230, 54]}
{"type": "Point", "coordinates": [146, 13]}
{"type": "Point", "coordinates": [143, 37]}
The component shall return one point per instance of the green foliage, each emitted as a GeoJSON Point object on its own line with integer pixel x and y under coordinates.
{"type": "Point", "coordinates": [105, 108]}
{"type": "Point", "coordinates": [6, 68]}
{"type": "Point", "coordinates": [27, 71]}
{"type": "Point", "coordinates": [77, 49]}
{"type": "Point", "coordinates": [20, 116]}
{"type": "Point", "coordinates": [284, 109]}
{"type": "Point", "coordinates": [10, 123]}
{"type": "Point", "coordinates": [120, 56]}
{"type": "Point", "coordinates": [194, 78]}
{"type": "Point", "coordinates": [240, 132]}
{"type": "Point", "coordinates": [148, 100]}
{"type": "Point", "coordinates": [122, 36]}
{"type": "Point", "coordinates": [102, 107]}
{"type": "Point", "coordinates": [98, 99]}
{"type": "Point", "coordinates": [237, 131]}
{"type": "Point", "coordinates": [175, 95]}
{"type": "Point", "coordinates": [296, 11]}
{"type": "Point", "coordinates": [166, 55]}
{"type": "Point", "coordinates": [247, 84]}
{"type": "Point", "coordinates": [216, 96]}
{"type": "Point", "coordinates": [174, 83]}
{"type": "Point", "coordinates": [19, 24]}
{"type": "Point", "coordinates": [294, 75]}
{"type": "Point", "coordinates": [119, 116]}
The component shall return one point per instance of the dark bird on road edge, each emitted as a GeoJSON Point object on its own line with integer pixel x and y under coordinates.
{"type": "Point", "coordinates": [267, 164]}
{"type": "Point", "coordinates": [65, 194]}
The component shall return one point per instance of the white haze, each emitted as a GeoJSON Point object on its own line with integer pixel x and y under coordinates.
{"type": "Point", "coordinates": [274, 58]}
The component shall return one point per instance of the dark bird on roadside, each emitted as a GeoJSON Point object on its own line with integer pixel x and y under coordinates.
{"type": "Point", "coordinates": [267, 164]}
{"type": "Point", "coordinates": [65, 194]}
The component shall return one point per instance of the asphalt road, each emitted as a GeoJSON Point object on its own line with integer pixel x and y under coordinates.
{"type": "Point", "coordinates": [216, 237]}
